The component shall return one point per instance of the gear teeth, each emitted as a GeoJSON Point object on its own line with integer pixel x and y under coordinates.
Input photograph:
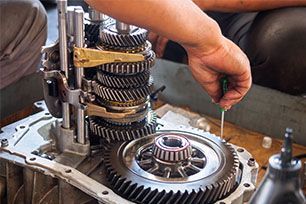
{"type": "Point", "coordinates": [142, 48]}
{"type": "Point", "coordinates": [135, 192]}
{"type": "Point", "coordinates": [120, 95]}
{"type": "Point", "coordinates": [124, 82]}
{"type": "Point", "coordinates": [136, 37]}
{"type": "Point", "coordinates": [120, 104]}
{"type": "Point", "coordinates": [130, 67]}
{"type": "Point", "coordinates": [112, 132]}
{"type": "Point", "coordinates": [129, 190]}
{"type": "Point", "coordinates": [92, 34]}
{"type": "Point", "coordinates": [124, 187]}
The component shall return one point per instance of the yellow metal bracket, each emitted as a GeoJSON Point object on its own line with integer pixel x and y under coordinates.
{"type": "Point", "coordinates": [87, 57]}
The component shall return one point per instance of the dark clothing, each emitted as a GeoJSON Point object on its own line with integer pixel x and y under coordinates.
{"type": "Point", "coordinates": [23, 32]}
{"type": "Point", "coordinates": [274, 41]}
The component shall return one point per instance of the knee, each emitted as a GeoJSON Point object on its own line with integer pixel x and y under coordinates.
{"type": "Point", "coordinates": [276, 46]}
{"type": "Point", "coordinates": [22, 18]}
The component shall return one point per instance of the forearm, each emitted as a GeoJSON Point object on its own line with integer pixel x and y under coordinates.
{"type": "Point", "coordinates": [180, 20]}
{"type": "Point", "coordinates": [246, 5]}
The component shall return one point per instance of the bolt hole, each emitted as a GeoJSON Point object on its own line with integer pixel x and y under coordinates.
{"type": "Point", "coordinates": [21, 127]}
{"type": "Point", "coordinates": [68, 171]}
{"type": "Point", "coordinates": [246, 185]}
{"type": "Point", "coordinates": [104, 192]}
{"type": "Point", "coordinates": [240, 150]}
{"type": "Point", "coordinates": [32, 159]}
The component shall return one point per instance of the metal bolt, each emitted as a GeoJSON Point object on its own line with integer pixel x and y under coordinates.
{"type": "Point", "coordinates": [251, 162]}
{"type": "Point", "coordinates": [4, 143]}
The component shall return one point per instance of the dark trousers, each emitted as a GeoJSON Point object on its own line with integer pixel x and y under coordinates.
{"type": "Point", "coordinates": [274, 41]}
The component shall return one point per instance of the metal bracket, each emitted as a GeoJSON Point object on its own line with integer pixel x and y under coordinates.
{"type": "Point", "coordinates": [86, 57]}
{"type": "Point", "coordinates": [66, 94]}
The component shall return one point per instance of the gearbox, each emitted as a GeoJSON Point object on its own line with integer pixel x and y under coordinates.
{"type": "Point", "coordinates": [96, 138]}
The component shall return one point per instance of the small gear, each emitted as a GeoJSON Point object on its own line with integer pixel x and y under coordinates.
{"type": "Point", "coordinates": [91, 34]}
{"type": "Point", "coordinates": [112, 132]}
{"type": "Point", "coordinates": [109, 35]}
{"type": "Point", "coordinates": [120, 95]}
{"type": "Point", "coordinates": [124, 81]}
{"type": "Point", "coordinates": [218, 176]}
{"type": "Point", "coordinates": [130, 67]}
{"type": "Point", "coordinates": [140, 49]}
{"type": "Point", "coordinates": [126, 104]}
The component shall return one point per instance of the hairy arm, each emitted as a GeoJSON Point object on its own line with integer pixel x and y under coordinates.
{"type": "Point", "coordinates": [246, 5]}
{"type": "Point", "coordinates": [167, 18]}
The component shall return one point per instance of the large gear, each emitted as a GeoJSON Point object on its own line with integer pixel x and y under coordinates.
{"type": "Point", "coordinates": [124, 82]}
{"type": "Point", "coordinates": [109, 35]}
{"type": "Point", "coordinates": [130, 67]}
{"type": "Point", "coordinates": [134, 175]}
{"type": "Point", "coordinates": [111, 132]}
{"type": "Point", "coordinates": [121, 95]}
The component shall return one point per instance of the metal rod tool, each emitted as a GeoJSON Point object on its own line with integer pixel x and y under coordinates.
{"type": "Point", "coordinates": [223, 82]}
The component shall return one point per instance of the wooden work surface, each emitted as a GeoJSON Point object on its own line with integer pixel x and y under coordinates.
{"type": "Point", "coordinates": [252, 142]}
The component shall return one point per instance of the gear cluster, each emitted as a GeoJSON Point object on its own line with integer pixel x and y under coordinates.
{"type": "Point", "coordinates": [141, 165]}
{"type": "Point", "coordinates": [124, 86]}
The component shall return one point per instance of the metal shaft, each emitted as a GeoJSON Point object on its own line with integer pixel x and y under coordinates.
{"type": "Point", "coordinates": [62, 9]}
{"type": "Point", "coordinates": [286, 151]}
{"type": "Point", "coordinates": [122, 27]}
{"type": "Point", "coordinates": [70, 24]}
{"type": "Point", "coordinates": [222, 123]}
{"type": "Point", "coordinates": [95, 15]}
{"type": "Point", "coordinates": [79, 42]}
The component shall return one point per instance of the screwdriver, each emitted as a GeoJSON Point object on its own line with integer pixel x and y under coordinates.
{"type": "Point", "coordinates": [223, 82]}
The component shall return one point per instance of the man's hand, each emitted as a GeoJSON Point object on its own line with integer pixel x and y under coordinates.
{"type": "Point", "coordinates": [159, 43]}
{"type": "Point", "coordinates": [208, 68]}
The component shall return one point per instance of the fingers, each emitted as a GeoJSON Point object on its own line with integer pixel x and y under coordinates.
{"type": "Point", "coordinates": [208, 79]}
{"type": "Point", "coordinates": [238, 87]}
{"type": "Point", "coordinates": [161, 46]}
{"type": "Point", "coordinates": [152, 37]}
{"type": "Point", "coordinates": [158, 43]}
